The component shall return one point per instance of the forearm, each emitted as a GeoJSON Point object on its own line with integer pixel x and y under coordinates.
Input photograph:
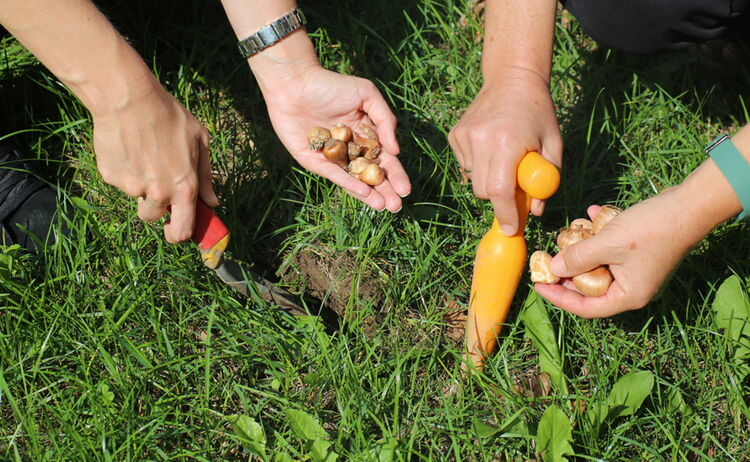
{"type": "Point", "coordinates": [285, 60]}
{"type": "Point", "coordinates": [518, 37]}
{"type": "Point", "coordinates": [74, 40]}
{"type": "Point", "coordinates": [706, 194]}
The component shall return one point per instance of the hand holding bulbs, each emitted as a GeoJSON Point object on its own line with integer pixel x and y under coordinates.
{"type": "Point", "coordinates": [357, 153]}
{"type": "Point", "coordinates": [593, 283]}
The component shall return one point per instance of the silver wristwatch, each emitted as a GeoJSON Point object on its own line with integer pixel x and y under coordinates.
{"type": "Point", "coordinates": [272, 33]}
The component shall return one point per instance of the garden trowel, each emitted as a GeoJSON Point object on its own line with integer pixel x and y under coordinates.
{"type": "Point", "coordinates": [212, 237]}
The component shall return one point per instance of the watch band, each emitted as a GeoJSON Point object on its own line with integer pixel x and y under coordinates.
{"type": "Point", "coordinates": [272, 33]}
{"type": "Point", "coordinates": [735, 169]}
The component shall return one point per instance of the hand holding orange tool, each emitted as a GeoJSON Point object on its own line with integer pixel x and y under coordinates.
{"type": "Point", "coordinates": [501, 259]}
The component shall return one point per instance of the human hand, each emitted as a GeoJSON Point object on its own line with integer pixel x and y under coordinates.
{"type": "Point", "coordinates": [152, 148]}
{"type": "Point", "coordinates": [146, 143]}
{"type": "Point", "coordinates": [642, 246]}
{"type": "Point", "coordinates": [318, 97]}
{"type": "Point", "coordinates": [510, 116]}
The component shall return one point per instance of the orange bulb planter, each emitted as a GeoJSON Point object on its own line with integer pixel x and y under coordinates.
{"type": "Point", "coordinates": [501, 259]}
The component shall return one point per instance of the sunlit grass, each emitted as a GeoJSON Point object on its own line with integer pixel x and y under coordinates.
{"type": "Point", "coordinates": [115, 345]}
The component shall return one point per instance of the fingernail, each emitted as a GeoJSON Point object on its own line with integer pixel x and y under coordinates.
{"type": "Point", "coordinates": [405, 195]}
{"type": "Point", "coordinates": [508, 230]}
{"type": "Point", "coordinates": [399, 209]}
{"type": "Point", "coordinates": [557, 265]}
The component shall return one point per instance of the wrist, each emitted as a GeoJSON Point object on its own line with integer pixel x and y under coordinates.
{"type": "Point", "coordinates": [285, 62]}
{"type": "Point", "coordinates": [116, 83]}
{"type": "Point", "coordinates": [706, 198]}
{"type": "Point", "coordinates": [502, 75]}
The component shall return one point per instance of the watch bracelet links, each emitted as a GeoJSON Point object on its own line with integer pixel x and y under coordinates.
{"type": "Point", "coordinates": [735, 169]}
{"type": "Point", "coordinates": [270, 34]}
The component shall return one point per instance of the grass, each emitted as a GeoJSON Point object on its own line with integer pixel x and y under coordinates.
{"type": "Point", "coordinates": [117, 346]}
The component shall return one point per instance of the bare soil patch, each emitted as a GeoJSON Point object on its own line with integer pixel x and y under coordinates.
{"type": "Point", "coordinates": [345, 285]}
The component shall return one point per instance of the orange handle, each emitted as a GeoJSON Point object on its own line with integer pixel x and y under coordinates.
{"type": "Point", "coordinates": [210, 233]}
{"type": "Point", "coordinates": [501, 259]}
{"type": "Point", "coordinates": [209, 229]}
{"type": "Point", "coordinates": [537, 176]}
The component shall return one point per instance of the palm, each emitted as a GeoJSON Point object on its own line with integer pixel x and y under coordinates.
{"type": "Point", "coordinates": [325, 98]}
{"type": "Point", "coordinates": [318, 104]}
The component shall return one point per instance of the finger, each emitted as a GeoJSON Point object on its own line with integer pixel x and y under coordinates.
{"type": "Point", "coordinates": [378, 111]}
{"type": "Point", "coordinates": [395, 174]}
{"type": "Point", "coordinates": [179, 228]}
{"type": "Point", "coordinates": [392, 200]}
{"type": "Point", "coordinates": [464, 160]}
{"type": "Point", "coordinates": [581, 257]}
{"type": "Point", "coordinates": [149, 210]}
{"type": "Point", "coordinates": [501, 190]}
{"type": "Point", "coordinates": [316, 163]}
{"type": "Point", "coordinates": [205, 177]}
{"type": "Point", "coordinates": [613, 302]}
{"type": "Point", "coordinates": [552, 149]}
{"type": "Point", "coordinates": [593, 211]}
{"type": "Point", "coordinates": [374, 199]}
{"type": "Point", "coordinates": [537, 207]}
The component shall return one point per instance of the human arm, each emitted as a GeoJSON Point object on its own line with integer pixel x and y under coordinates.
{"type": "Point", "coordinates": [300, 94]}
{"type": "Point", "coordinates": [513, 112]}
{"type": "Point", "coordinates": [146, 143]}
{"type": "Point", "coordinates": [645, 243]}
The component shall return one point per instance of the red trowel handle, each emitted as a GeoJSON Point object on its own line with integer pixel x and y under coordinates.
{"type": "Point", "coordinates": [209, 229]}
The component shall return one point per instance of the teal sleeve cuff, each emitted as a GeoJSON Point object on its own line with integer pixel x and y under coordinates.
{"type": "Point", "coordinates": [735, 169]}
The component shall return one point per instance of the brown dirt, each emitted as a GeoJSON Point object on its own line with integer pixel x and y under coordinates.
{"type": "Point", "coordinates": [454, 320]}
{"type": "Point", "coordinates": [335, 277]}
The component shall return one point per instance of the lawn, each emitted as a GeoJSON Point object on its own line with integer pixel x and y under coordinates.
{"type": "Point", "coordinates": [115, 345]}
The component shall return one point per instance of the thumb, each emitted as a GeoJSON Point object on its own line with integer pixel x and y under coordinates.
{"type": "Point", "coordinates": [579, 258]}
{"type": "Point", "coordinates": [381, 115]}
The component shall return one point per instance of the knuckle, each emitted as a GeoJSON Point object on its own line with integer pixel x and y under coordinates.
{"type": "Point", "coordinates": [572, 256]}
{"type": "Point", "coordinates": [144, 215]}
{"type": "Point", "coordinates": [502, 186]}
{"type": "Point", "coordinates": [158, 196]}
{"type": "Point", "coordinates": [499, 191]}
{"type": "Point", "coordinates": [479, 191]}
{"type": "Point", "coordinates": [511, 146]}
{"type": "Point", "coordinates": [182, 236]}
{"type": "Point", "coordinates": [452, 135]}
{"type": "Point", "coordinates": [369, 85]}
{"type": "Point", "coordinates": [130, 189]}
{"type": "Point", "coordinates": [108, 176]}
{"type": "Point", "coordinates": [479, 135]}
{"type": "Point", "coordinates": [506, 137]}
{"type": "Point", "coordinates": [188, 188]}
{"type": "Point", "coordinates": [453, 139]}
